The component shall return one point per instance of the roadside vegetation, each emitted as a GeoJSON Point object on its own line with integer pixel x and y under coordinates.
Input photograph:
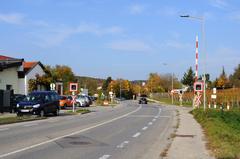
{"type": "Point", "coordinates": [17, 119]}
{"type": "Point", "coordinates": [222, 129]}
{"type": "Point", "coordinates": [79, 111]}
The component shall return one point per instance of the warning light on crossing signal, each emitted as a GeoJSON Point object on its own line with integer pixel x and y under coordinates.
{"type": "Point", "coordinates": [198, 86]}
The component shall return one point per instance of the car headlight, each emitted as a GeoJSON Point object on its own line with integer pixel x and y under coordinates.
{"type": "Point", "coordinates": [36, 106]}
{"type": "Point", "coordinates": [17, 105]}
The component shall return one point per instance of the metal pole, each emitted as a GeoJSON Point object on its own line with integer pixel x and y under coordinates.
{"type": "Point", "coordinates": [204, 64]}
{"type": "Point", "coordinates": [120, 90]}
{"type": "Point", "coordinates": [172, 88]}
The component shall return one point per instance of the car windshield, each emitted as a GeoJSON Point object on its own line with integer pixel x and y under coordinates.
{"type": "Point", "coordinates": [33, 97]}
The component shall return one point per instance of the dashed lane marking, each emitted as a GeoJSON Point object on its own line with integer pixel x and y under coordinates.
{"type": "Point", "coordinates": [150, 123]}
{"type": "Point", "coordinates": [144, 128]}
{"type": "Point", "coordinates": [123, 144]}
{"type": "Point", "coordinates": [136, 135]}
{"type": "Point", "coordinates": [105, 157]}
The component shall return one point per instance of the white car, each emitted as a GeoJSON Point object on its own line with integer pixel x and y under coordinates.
{"type": "Point", "coordinates": [81, 101]}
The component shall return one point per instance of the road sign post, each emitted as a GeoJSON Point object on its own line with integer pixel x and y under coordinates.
{"type": "Point", "coordinates": [73, 87]}
{"type": "Point", "coordinates": [198, 90]}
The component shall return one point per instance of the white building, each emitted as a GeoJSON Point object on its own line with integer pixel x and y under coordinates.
{"type": "Point", "coordinates": [16, 73]}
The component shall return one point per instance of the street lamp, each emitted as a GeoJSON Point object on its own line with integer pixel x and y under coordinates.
{"type": "Point", "coordinates": [202, 20]}
{"type": "Point", "coordinates": [165, 64]}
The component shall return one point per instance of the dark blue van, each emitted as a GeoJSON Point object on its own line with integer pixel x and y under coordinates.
{"type": "Point", "coordinates": [39, 103]}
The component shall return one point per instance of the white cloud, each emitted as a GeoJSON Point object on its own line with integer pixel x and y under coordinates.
{"type": "Point", "coordinates": [221, 4]}
{"type": "Point", "coordinates": [97, 30]}
{"type": "Point", "coordinates": [176, 45]}
{"type": "Point", "coordinates": [168, 11]}
{"type": "Point", "coordinates": [130, 46]}
{"type": "Point", "coordinates": [136, 9]}
{"type": "Point", "coordinates": [54, 37]}
{"type": "Point", "coordinates": [12, 18]}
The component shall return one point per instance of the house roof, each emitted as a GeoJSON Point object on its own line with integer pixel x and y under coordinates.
{"type": "Point", "coordinates": [6, 58]}
{"type": "Point", "coordinates": [28, 66]}
{"type": "Point", "coordinates": [7, 62]}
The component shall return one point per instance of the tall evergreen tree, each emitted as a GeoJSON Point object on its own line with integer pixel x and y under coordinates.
{"type": "Point", "coordinates": [188, 77]}
{"type": "Point", "coordinates": [106, 83]}
{"type": "Point", "coordinates": [235, 77]}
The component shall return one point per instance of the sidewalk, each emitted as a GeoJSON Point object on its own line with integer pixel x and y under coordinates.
{"type": "Point", "coordinates": [189, 142]}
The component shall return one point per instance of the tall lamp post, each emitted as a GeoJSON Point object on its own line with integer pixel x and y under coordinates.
{"type": "Point", "coordinates": [165, 64]}
{"type": "Point", "coordinates": [202, 20]}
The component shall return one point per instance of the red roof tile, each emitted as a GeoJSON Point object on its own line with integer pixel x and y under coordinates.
{"type": "Point", "coordinates": [29, 65]}
{"type": "Point", "coordinates": [5, 58]}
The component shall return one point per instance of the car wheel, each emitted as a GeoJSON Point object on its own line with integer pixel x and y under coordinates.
{"type": "Point", "coordinates": [19, 114]}
{"type": "Point", "coordinates": [56, 113]}
{"type": "Point", "coordinates": [78, 104]}
{"type": "Point", "coordinates": [42, 113]}
{"type": "Point", "coordinates": [65, 106]}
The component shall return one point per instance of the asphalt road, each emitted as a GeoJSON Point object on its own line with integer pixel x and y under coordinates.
{"type": "Point", "coordinates": [128, 131]}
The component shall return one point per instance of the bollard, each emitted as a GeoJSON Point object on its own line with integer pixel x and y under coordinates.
{"type": "Point", "coordinates": [209, 105]}
{"type": "Point", "coordinates": [215, 105]}
{"type": "Point", "coordinates": [228, 106]}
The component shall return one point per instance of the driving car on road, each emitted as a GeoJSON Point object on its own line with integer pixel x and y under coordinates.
{"type": "Point", "coordinates": [39, 103]}
{"type": "Point", "coordinates": [143, 100]}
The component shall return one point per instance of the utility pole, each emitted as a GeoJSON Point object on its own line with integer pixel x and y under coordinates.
{"type": "Point", "coordinates": [202, 20]}
{"type": "Point", "coordinates": [172, 87]}
{"type": "Point", "coordinates": [120, 89]}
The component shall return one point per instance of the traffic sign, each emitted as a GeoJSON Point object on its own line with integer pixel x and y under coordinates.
{"type": "Point", "coordinates": [52, 86]}
{"type": "Point", "coordinates": [198, 86]}
{"type": "Point", "coordinates": [73, 87]}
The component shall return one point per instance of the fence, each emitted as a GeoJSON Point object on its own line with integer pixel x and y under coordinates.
{"type": "Point", "coordinates": [5, 100]}
{"type": "Point", "coordinates": [229, 97]}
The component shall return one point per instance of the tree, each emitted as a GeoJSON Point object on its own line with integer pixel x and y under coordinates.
{"type": "Point", "coordinates": [106, 84]}
{"type": "Point", "coordinates": [188, 77]}
{"type": "Point", "coordinates": [235, 77]}
{"type": "Point", "coordinates": [222, 82]}
{"type": "Point", "coordinates": [62, 73]}
{"type": "Point", "coordinates": [154, 83]}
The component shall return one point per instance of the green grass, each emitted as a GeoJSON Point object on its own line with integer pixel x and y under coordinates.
{"type": "Point", "coordinates": [222, 130]}
{"type": "Point", "coordinates": [169, 102]}
{"type": "Point", "coordinates": [79, 111]}
{"type": "Point", "coordinates": [16, 119]}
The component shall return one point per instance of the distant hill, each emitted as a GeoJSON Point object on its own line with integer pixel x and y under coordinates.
{"type": "Point", "coordinates": [89, 83]}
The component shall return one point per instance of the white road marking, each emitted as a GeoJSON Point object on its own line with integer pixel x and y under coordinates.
{"type": "Point", "coordinates": [28, 125]}
{"type": "Point", "coordinates": [144, 128]}
{"type": "Point", "coordinates": [136, 135]}
{"type": "Point", "coordinates": [154, 120]}
{"type": "Point", "coordinates": [4, 129]}
{"type": "Point", "coordinates": [71, 134]}
{"type": "Point", "coordinates": [156, 117]}
{"type": "Point", "coordinates": [150, 123]}
{"type": "Point", "coordinates": [105, 157]}
{"type": "Point", "coordinates": [143, 116]}
{"type": "Point", "coordinates": [123, 144]}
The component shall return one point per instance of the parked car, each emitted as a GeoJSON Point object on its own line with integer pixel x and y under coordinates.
{"type": "Point", "coordinates": [143, 100]}
{"type": "Point", "coordinates": [82, 101]}
{"type": "Point", "coordinates": [15, 100]}
{"type": "Point", "coordinates": [65, 101]}
{"type": "Point", "coordinates": [39, 103]}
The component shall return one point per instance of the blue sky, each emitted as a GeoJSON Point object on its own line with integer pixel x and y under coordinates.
{"type": "Point", "coordinates": [122, 38]}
